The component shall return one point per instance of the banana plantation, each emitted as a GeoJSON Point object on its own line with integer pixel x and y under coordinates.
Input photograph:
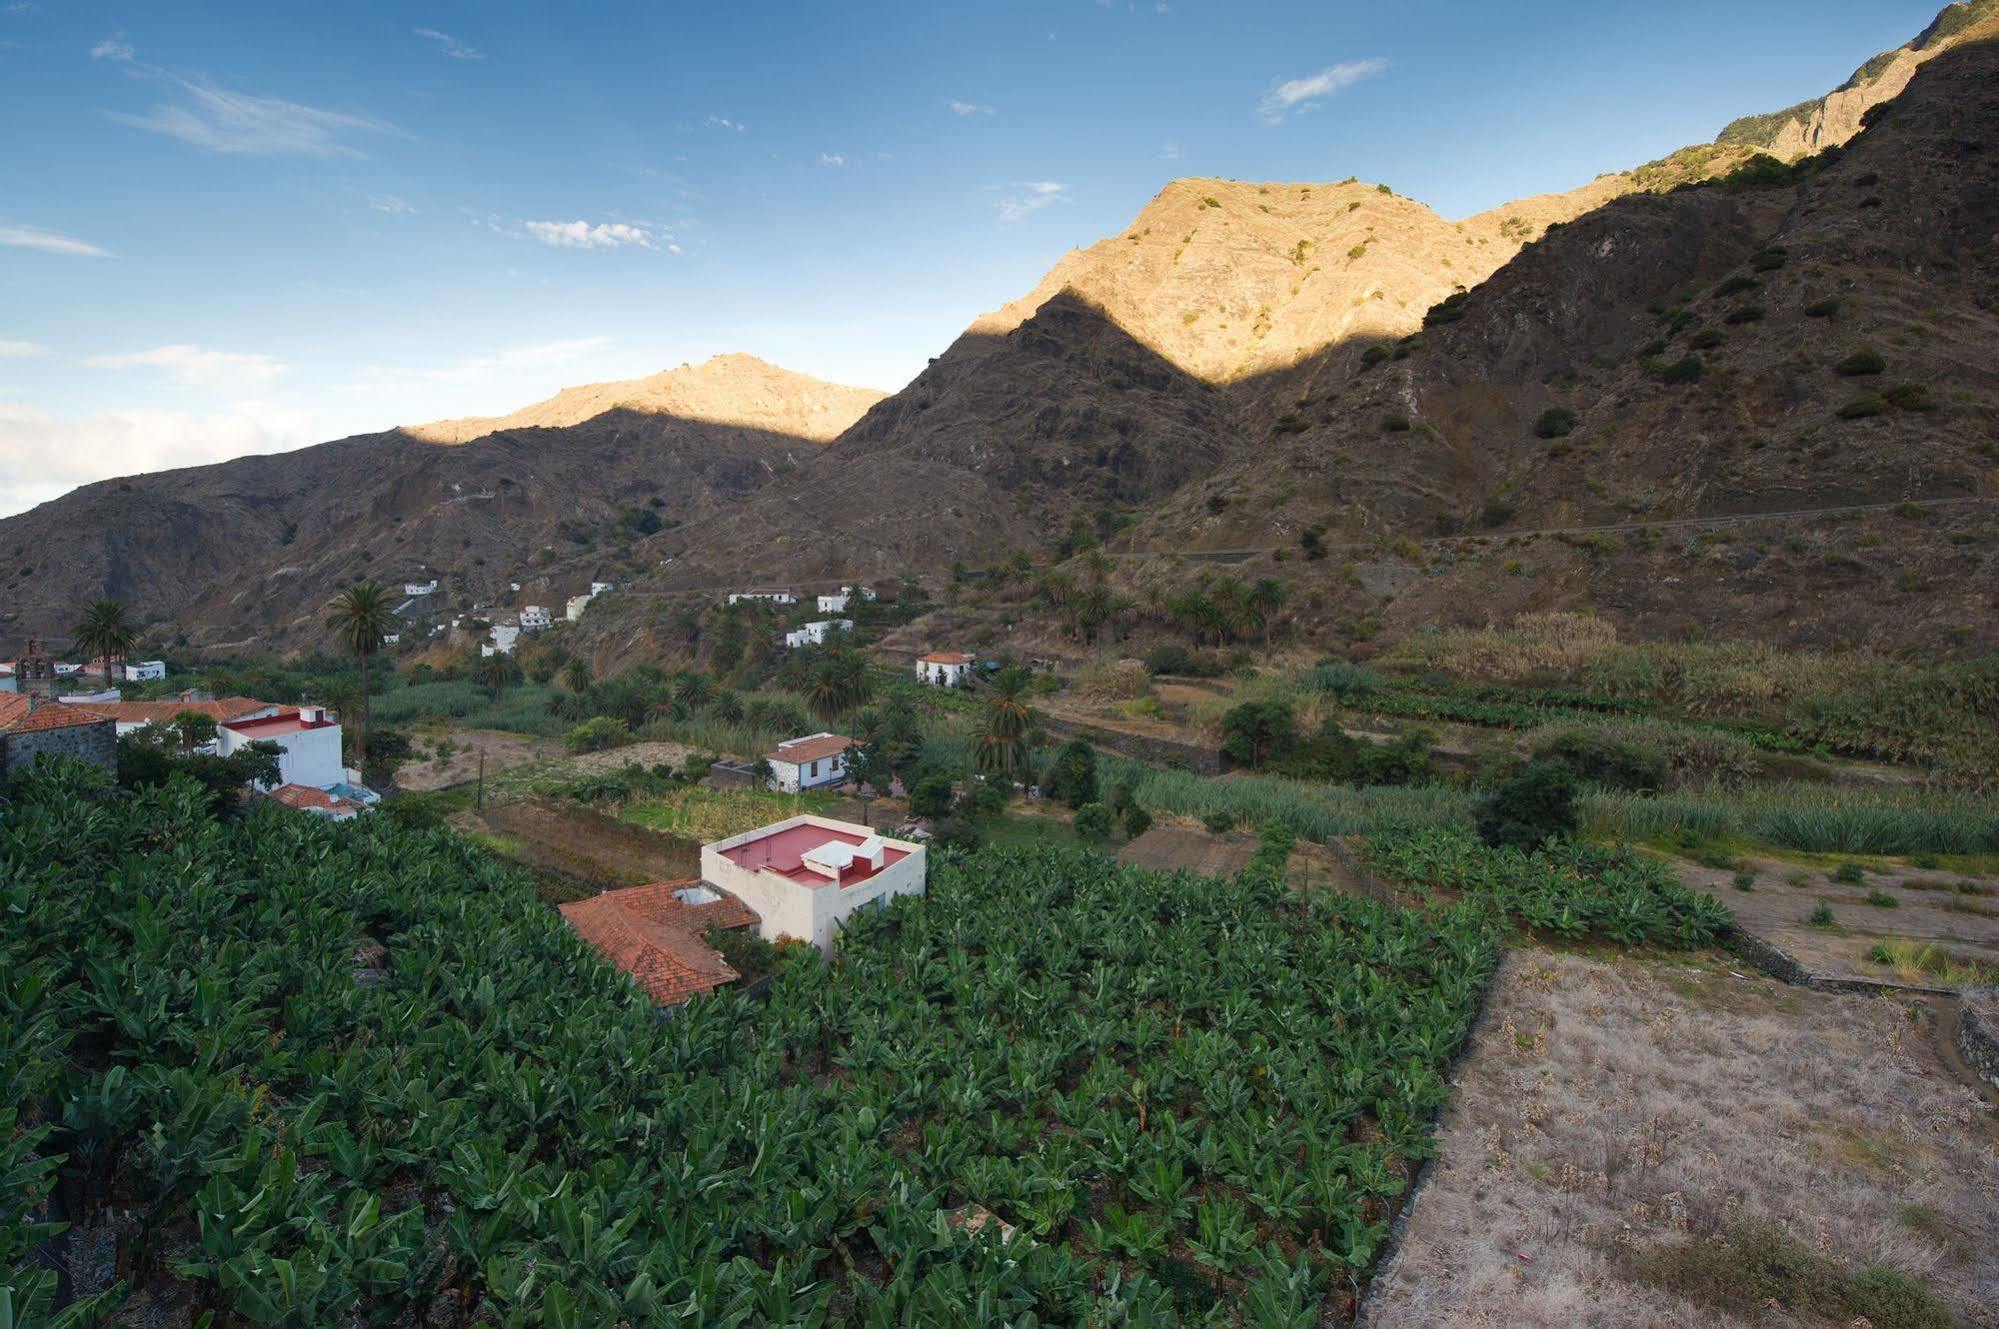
{"type": "Point", "coordinates": [1054, 1091]}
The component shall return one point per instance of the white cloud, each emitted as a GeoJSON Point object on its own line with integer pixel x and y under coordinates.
{"type": "Point", "coordinates": [43, 456]}
{"type": "Point", "coordinates": [112, 49]}
{"type": "Point", "coordinates": [389, 203]}
{"type": "Point", "coordinates": [493, 365]}
{"type": "Point", "coordinates": [723, 122]}
{"type": "Point", "coordinates": [831, 159]}
{"type": "Point", "coordinates": [673, 249]}
{"type": "Point", "coordinates": [21, 350]}
{"type": "Point", "coordinates": [450, 45]}
{"type": "Point", "coordinates": [584, 235]}
{"type": "Point", "coordinates": [1030, 197]}
{"type": "Point", "coordinates": [195, 367]}
{"type": "Point", "coordinates": [49, 242]}
{"type": "Point", "coordinates": [969, 108]}
{"type": "Point", "coordinates": [215, 119]}
{"type": "Point", "coordinates": [1298, 95]}
{"type": "Point", "coordinates": [1169, 151]}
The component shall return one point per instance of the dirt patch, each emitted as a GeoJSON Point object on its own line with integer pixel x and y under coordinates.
{"type": "Point", "coordinates": [1318, 867]}
{"type": "Point", "coordinates": [502, 751]}
{"type": "Point", "coordinates": [1166, 848]}
{"type": "Point", "coordinates": [1609, 1108]}
{"type": "Point", "coordinates": [519, 781]}
{"type": "Point", "coordinates": [1928, 909]}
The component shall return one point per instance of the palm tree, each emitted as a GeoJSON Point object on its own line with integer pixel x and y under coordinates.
{"type": "Point", "coordinates": [1000, 747]}
{"type": "Point", "coordinates": [495, 671]}
{"type": "Point", "coordinates": [359, 618]}
{"type": "Point", "coordinates": [105, 633]}
{"type": "Point", "coordinates": [1266, 597]}
{"type": "Point", "coordinates": [576, 674]}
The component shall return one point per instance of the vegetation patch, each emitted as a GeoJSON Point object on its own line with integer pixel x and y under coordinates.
{"type": "Point", "coordinates": [1754, 1266]}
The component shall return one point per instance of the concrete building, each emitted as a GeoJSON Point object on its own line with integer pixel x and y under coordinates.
{"type": "Point", "coordinates": [945, 669]}
{"type": "Point", "coordinates": [768, 595]}
{"type": "Point", "coordinates": [833, 604]}
{"type": "Point", "coordinates": [131, 716]}
{"type": "Point", "coordinates": [809, 762]}
{"type": "Point", "coordinates": [804, 877]}
{"type": "Point", "coordinates": [534, 618]}
{"type": "Point", "coordinates": [419, 587]}
{"type": "Point", "coordinates": [33, 727]}
{"type": "Point", "coordinates": [503, 638]}
{"type": "Point", "coordinates": [815, 634]}
{"type": "Point", "coordinates": [310, 743]}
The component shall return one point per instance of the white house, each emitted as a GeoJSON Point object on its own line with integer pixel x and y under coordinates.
{"type": "Point", "coordinates": [310, 740]}
{"type": "Point", "coordinates": [815, 634]}
{"type": "Point", "coordinates": [806, 876]}
{"type": "Point", "coordinates": [833, 604]}
{"type": "Point", "coordinates": [807, 763]}
{"type": "Point", "coordinates": [776, 597]}
{"type": "Point", "coordinates": [599, 587]}
{"type": "Point", "coordinates": [419, 587]}
{"type": "Point", "coordinates": [945, 669]}
{"type": "Point", "coordinates": [534, 618]}
{"type": "Point", "coordinates": [504, 638]}
{"type": "Point", "coordinates": [577, 604]}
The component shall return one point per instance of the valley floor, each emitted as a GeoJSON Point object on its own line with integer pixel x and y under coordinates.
{"type": "Point", "coordinates": [1611, 1117]}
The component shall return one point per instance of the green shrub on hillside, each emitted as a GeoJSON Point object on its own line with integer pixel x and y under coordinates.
{"type": "Point", "coordinates": [1706, 340]}
{"type": "Point", "coordinates": [1599, 758]}
{"type": "Point", "coordinates": [596, 734]}
{"type": "Point", "coordinates": [1554, 422]}
{"type": "Point", "coordinates": [1822, 308]}
{"type": "Point", "coordinates": [1861, 408]}
{"type": "Point", "coordinates": [1864, 360]}
{"type": "Point", "coordinates": [1734, 286]}
{"type": "Point", "coordinates": [1531, 808]}
{"type": "Point", "coordinates": [1744, 314]}
{"type": "Point", "coordinates": [1393, 423]}
{"type": "Point", "coordinates": [1909, 397]}
{"type": "Point", "coordinates": [1686, 370]}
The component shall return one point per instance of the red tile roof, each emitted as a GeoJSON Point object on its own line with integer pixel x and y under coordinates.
{"type": "Point", "coordinates": [18, 715]}
{"type": "Point", "coordinates": [156, 712]}
{"type": "Point", "coordinates": [947, 657]}
{"type": "Point", "coordinates": [654, 936]}
{"type": "Point", "coordinates": [304, 798]}
{"type": "Point", "coordinates": [284, 722]}
{"type": "Point", "coordinates": [811, 749]}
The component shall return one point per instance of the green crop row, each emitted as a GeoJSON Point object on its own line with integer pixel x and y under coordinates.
{"type": "Point", "coordinates": [1569, 887]}
{"type": "Point", "coordinates": [341, 1074]}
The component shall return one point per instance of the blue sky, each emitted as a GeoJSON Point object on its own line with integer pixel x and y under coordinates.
{"type": "Point", "coordinates": [237, 228]}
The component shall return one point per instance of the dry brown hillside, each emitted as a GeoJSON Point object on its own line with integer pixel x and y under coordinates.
{"type": "Point", "coordinates": [245, 553]}
{"type": "Point", "coordinates": [737, 389]}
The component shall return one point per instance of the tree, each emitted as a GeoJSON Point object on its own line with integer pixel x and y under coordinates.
{"type": "Point", "coordinates": [1072, 774]}
{"type": "Point", "coordinates": [105, 633]}
{"type": "Point", "coordinates": [1257, 732]}
{"type": "Point", "coordinates": [1000, 745]}
{"type": "Point", "coordinates": [576, 674]}
{"type": "Point", "coordinates": [1531, 808]}
{"type": "Point", "coordinates": [1266, 597]}
{"type": "Point", "coordinates": [1093, 821]}
{"type": "Point", "coordinates": [931, 797]}
{"type": "Point", "coordinates": [495, 671]}
{"type": "Point", "coordinates": [190, 729]}
{"type": "Point", "coordinates": [359, 618]}
{"type": "Point", "coordinates": [596, 734]}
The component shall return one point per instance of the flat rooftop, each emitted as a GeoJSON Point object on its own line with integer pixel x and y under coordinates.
{"type": "Point", "coordinates": [285, 722]}
{"type": "Point", "coordinates": [783, 852]}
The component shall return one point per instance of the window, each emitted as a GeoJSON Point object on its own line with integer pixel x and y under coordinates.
{"type": "Point", "coordinates": [814, 770]}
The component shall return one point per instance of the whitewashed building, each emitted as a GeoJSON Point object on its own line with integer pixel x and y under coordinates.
{"type": "Point", "coordinates": [599, 587]}
{"type": "Point", "coordinates": [504, 637]}
{"type": "Point", "coordinates": [809, 762]}
{"type": "Point", "coordinates": [534, 618]}
{"type": "Point", "coordinates": [769, 596]}
{"type": "Point", "coordinates": [420, 587]}
{"type": "Point", "coordinates": [311, 743]}
{"type": "Point", "coordinates": [945, 669]}
{"type": "Point", "coordinates": [815, 634]}
{"type": "Point", "coordinates": [806, 876]}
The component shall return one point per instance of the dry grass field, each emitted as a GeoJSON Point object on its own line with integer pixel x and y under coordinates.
{"type": "Point", "coordinates": [1656, 1142]}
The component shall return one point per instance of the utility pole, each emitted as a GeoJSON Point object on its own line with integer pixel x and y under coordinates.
{"type": "Point", "coordinates": [479, 798]}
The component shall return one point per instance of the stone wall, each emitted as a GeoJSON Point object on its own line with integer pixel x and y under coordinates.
{"type": "Point", "coordinates": [1166, 752]}
{"type": "Point", "coordinates": [583, 842]}
{"type": "Point", "coordinates": [96, 744]}
{"type": "Point", "coordinates": [1978, 1033]}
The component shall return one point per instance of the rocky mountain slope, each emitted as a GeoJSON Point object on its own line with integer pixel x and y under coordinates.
{"type": "Point", "coordinates": [1787, 341]}
{"type": "Point", "coordinates": [251, 549]}
{"type": "Point", "coordinates": [1824, 122]}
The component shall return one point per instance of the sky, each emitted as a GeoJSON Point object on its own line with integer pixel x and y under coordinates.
{"type": "Point", "coordinates": [236, 228]}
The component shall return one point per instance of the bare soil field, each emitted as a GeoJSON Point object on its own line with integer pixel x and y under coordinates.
{"type": "Point", "coordinates": [1167, 848]}
{"type": "Point", "coordinates": [1623, 1131]}
{"type": "Point", "coordinates": [503, 751]}
{"type": "Point", "coordinates": [1930, 908]}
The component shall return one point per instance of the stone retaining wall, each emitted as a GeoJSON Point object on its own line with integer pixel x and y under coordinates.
{"type": "Point", "coordinates": [1978, 1033]}
{"type": "Point", "coordinates": [1166, 752]}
